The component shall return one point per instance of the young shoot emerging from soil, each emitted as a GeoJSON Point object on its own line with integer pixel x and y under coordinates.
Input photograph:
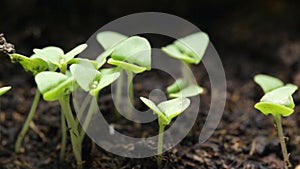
{"type": "Point", "coordinates": [166, 111]}
{"type": "Point", "coordinates": [277, 101]}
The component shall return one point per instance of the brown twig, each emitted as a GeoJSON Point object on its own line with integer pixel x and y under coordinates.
{"type": "Point", "coordinates": [6, 48]}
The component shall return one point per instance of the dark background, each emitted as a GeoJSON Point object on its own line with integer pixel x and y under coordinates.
{"type": "Point", "coordinates": [259, 27]}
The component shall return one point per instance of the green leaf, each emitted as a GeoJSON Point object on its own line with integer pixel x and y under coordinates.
{"type": "Point", "coordinates": [190, 48]}
{"type": "Point", "coordinates": [177, 85]}
{"type": "Point", "coordinates": [282, 96]}
{"type": "Point", "coordinates": [273, 108]}
{"type": "Point", "coordinates": [50, 54]}
{"type": "Point", "coordinates": [172, 108]}
{"type": "Point", "coordinates": [134, 50]}
{"type": "Point", "coordinates": [55, 56]}
{"type": "Point", "coordinates": [189, 91]}
{"type": "Point", "coordinates": [193, 45]}
{"type": "Point", "coordinates": [77, 50]}
{"type": "Point", "coordinates": [84, 74]}
{"type": "Point", "coordinates": [174, 52]}
{"type": "Point", "coordinates": [155, 109]}
{"type": "Point", "coordinates": [267, 83]}
{"type": "Point", "coordinates": [126, 66]}
{"type": "Point", "coordinates": [107, 71]}
{"type": "Point", "coordinates": [34, 65]}
{"type": "Point", "coordinates": [3, 90]}
{"type": "Point", "coordinates": [53, 85]}
{"type": "Point", "coordinates": [101, 59]}
{"type": "Point", "coordinates": [106, 80]}
{"type": "Point", "coordinates": [108, 39]}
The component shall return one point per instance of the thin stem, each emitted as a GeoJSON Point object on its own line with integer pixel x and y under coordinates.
{"type": "Point", "coordinates": [88, 117]}
{"type": "Point", "coordinates": [287, 163]}
{"type": "Point", "coordinates": [130, 92]}
{"type": "Point", "coordinates": [73, 128]}
{"type": "Point", "coordinates": [119, 89]}
{"type": "Point", "coordinates": [160, 143]}
{"type": "Point", "coordinates": [185, 69]}
{"type": "Point", "coordinates": [83, 106]}
{"type": "Point", "coordinates": [63, 137]}
{"type": "Point", "coordinates": [28, 120]}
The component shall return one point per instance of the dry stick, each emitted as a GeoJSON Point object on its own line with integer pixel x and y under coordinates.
{"type": "Point", "coordinates": [28, 120]}
{"type": "Point", "coordinates": [287, 163]}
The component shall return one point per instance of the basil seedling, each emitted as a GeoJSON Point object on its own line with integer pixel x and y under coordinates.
{"type": "Point", "coordinates": [131, 54]}
{"type": "Point", "coordinates": [277, 101]}
{"type": "Point", "coordinates": [166, 111]}
{"type": "Point", "coordinates": [190, 50]}
{"type": "Point", "coordinates": [93, 81]}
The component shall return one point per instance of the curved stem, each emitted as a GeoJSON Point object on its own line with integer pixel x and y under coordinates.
{"type": "Point", "coordinates": [28, 120]}
{"type": "Point", "coordinates": [63, 137]}
{"type": "Point", "coordinates": [73, 128]}
{"type": "Point", "coordinates": [160, 143]}
{"type": "Point", "coordinates": [287, 163]}
{"type": "Point", "coordinates": [88, 118]}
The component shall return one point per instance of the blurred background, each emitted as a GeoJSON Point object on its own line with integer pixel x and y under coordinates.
{"type": "Point", "coordinates": [261, 27]}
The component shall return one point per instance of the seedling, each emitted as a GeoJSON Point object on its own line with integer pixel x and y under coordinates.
{"type": "Point", "coordinates": [189, 50]}
{"type": "Point", "coordinates": [180, 88]}
{"type": "Point", "coordinates": [3, 90]}
{"type": "Point", "coordinates": [93, 81]}
{"type": "Point", "coordinates": [166, 111]}
{"type": "Point", "coordinates": [49, 58]}
{"type": "Point", "coordinates": [277, 101]}
{"type": "Point", "coordinates": [131, 54]}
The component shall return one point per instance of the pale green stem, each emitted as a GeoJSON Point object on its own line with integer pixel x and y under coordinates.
{"type": "Point", "coordinates": [28, 120]}
{"type": "Point", "coordinates": [130, 92]}
{"type": "Point", "coordinates": [88, 117]}
{"type": "Point", "coordinates": [119, 89]}
{"type": "Point", "coordinates": [63, 137]}
{"type": "Point", "coordinates": [83, 106]}
{"type": "Point", "coordinates": [186, 73]}
{"type": "Point", "coordinates": [160, 143]}
{"type": "Point", "coordinates": [73, 128]}
{"type": "Point", "coordinates": [287, 163]}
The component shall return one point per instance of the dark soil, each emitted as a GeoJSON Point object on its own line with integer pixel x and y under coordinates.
{"type": "Point", "coordinates": [245, 138]}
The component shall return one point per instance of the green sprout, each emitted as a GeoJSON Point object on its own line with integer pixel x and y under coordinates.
{"type": "Point", "coordinates": [180, 88]}
{"type": "Point", "coordinates": [5, 89]}
{"type": "Point", "coordinates": [34, 65]}
{"type": "Point", "coordinates": [131, 54]}
{"type": "Point", "coordinates": [166, 111]}
{"type": "Point", "coordinates": [189, 50]}
{"type": "Point", "coordinates": [277, 101]}
{"type": "Point", "coordinates": [93, 81]}
{"type": "Point", "coordinates": [49, 58]}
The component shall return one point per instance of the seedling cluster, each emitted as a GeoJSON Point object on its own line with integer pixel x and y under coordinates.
{"type": "Point", "coordinates": [57, 74]}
